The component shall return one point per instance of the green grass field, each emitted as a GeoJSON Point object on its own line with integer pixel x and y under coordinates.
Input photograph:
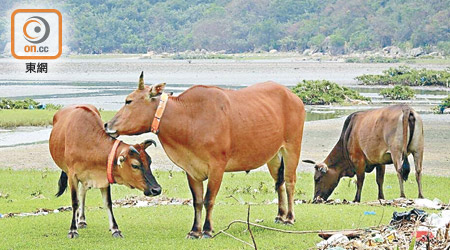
{"type": "Point", "coordinates": [25, 117]}
{"type": "Point", "coordinates": [165, 227]}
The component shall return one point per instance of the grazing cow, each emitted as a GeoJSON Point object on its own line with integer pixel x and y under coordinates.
{"type": "Point", "coordinates": [208, 131]}
{"type": "Point", "coordinates": [85, 153]}
{"type": "Point", "coordinates": [371, 139]}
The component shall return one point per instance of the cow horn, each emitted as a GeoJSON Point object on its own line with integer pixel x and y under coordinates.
{"type": "Point", "coordinates": [148, 143]}
{"type": "Point", "coordinates": [141, 81]}
{"type": "Point", "coordinates": [133, 149]}
{"type": "Point", "coordinates": [309, 161]}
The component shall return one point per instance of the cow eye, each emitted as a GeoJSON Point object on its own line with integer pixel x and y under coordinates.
{"type": "Point", "coordinates": [127, 102]}
{"type": "Point", "coordinates": [135, 166]}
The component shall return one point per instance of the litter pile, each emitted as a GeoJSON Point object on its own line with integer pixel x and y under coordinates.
{"type": "Point", "coordinates": [400, 202]}
{"type": "Point", "coordinates": [145, 201]}
{"type": "Point", "coordinates": [40, 211]}
{"type": "Point", "coordinates": [408, 229]}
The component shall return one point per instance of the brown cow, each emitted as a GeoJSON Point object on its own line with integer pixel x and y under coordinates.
{"type": "Point", "coordinates": [80, 147]}
{"type": "Point", "coordinates": [207, 131]}
{"type": "Point", "coordinates": [371, 139]}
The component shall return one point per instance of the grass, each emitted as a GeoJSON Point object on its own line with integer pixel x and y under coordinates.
{"type": "Point", "coordinates": [164, 227]}
{"type": "Point", "coordinates": [34, 117]}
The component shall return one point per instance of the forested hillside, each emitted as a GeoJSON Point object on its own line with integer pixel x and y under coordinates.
{"type": "Point", "coordinates": [339, 26]}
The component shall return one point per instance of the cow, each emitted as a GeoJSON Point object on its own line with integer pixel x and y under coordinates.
{"type": "Point", "coordinates": [86, 154]}
{"type": "Point", "coordinates": [371, 139]}
{"type": "Point", "coordinates": [208, 130]}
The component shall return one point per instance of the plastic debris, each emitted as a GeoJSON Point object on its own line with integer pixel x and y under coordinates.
{"type": "Point", "coordinates": [1, 215]}
{"type": "Point", "coordinates": [333, 240]}
{"type": "Point", "coordinates": [409, 216]}
{"type": "Point", "coordinates": [430, 233]}
{"type": "Point", "coordinates": [426, 203]}
{"type": "Point", "coordinates": [369, 213]}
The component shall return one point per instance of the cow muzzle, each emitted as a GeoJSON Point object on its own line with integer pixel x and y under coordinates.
{"type": "Point", "coordinates": [154, 191]}
{"type": "Point", "coordinates": [111, 132]}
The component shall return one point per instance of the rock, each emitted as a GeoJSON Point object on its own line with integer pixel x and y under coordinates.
{"type": "Point", "coordinates": [433, 53]}
{"type": "Point", "coordinates": [416, 52]}
{"type": "Point", "coordinates": [447, 111]}
{"type": "Point", "coordinates": [392, 50]}
{"type": "Point", "coordinates": [307, 52]}
{"type": "Point", "coordinates": [273, 51]}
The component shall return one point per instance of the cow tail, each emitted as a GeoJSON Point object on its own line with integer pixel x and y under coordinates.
{"type": "Point", "coordinates": [280, 177]}
{"type": "Point", "coordinates": [62, 184]}
{"type": "Point", "coordinates": [405, 166]}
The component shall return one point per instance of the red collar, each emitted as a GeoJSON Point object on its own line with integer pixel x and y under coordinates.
{"type": "Point", "coordinates": [111, 157]}
{"type": "Point", "coordinates": [159, 113]}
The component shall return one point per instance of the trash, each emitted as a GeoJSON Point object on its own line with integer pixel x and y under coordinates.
{"type": "Point", "coordinates": [411, 226]}
{"type": "Point", "coordinates": [369, 213]}
{"type": "Point", "coordinates": [402, 202]}
{"type": "Point", "coordinates": [409, 216]}
{"type": "Point", "coordinates": [334, 239]}
{"type": "Point", "coordinates": [423, 232]}
{"type": "Point", "coordinates": [426, 203]}
{"type": "Point", "coordinates": [1, 215]}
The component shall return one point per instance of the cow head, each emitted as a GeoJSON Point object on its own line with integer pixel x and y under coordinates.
{"type": "Point", "coordinates": [136, 116]}
{"type": "Point", "coordinates": [134, 169]}
{"type": "Point", "coordinates": [325, 180]}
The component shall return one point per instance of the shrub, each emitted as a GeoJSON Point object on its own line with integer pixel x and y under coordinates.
{"type": "Point", "coordinates": [398, 92]}
{"type": "Point", "coordinates": [27, 103]}
{"type": "Point", "coordinates": [407, 76]}
{"type": "Point", "coordinates": [439, 109]}
{"type": "Point", "coordinates": [325, 92]}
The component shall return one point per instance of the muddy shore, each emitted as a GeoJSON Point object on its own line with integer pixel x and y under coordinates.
{"type": "Point", "coordinates": [319, 138]}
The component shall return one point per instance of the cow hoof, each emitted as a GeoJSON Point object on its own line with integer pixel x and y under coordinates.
{"type": "Point", "coordinates": [194, 235]}
{"type": "Point", "coordinates": [72, 235]}
{"type": "Point", "coordinates": [207, 235]}
{"type": "Point", "coordinates": [117, 234]}
{"type": "Point", "coordinates": [82, 224]}
{"type": "Point", "coordinates": [289, 222]}
{"type": "Point", "coordinates": [279, 220]}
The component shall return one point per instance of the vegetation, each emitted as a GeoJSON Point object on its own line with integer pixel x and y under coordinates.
{"type": "Point", "coordinates": [325, 92]}
{"type": "Point", "coordinates": [398, 92]}
{"type": "Point", "coordinates": [439, 109]}
{"type": "Point", "coordinates": [166, 226]}
{"type": "Point", "coordinates": [335, 26]}
{"type": "Point", "coordinates": [408, 76]}
{"type": "Point", "coordinates": [372, 59]}
{"type": "Point", "coordinates": [27, 103]}
{"type": "Point", "coordinates": [36, 117]}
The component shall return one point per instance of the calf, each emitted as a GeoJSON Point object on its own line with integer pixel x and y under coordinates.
{"type": "Point", "coordinates": [371, 139]}
{"type": "Point", "coordinates": [81, 148]}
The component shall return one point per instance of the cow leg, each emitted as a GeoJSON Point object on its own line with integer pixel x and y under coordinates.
{"type": "Point", "coordinates": [113, 227]}
{"type": "Point", "coordinates": [360, 175]}
{"type": "Point", "coordinates": [274, 166]}
{"type": "Point", "coordinates": [380, 180]}
{"type": "Point", "coordinates": [197, 201]}
{"type": "Point", "coordinates": [397, 160]}
{"type": "Point", "coordinates": [214, 181]}
{"type": "Point", "coordinates": [418, 158]}
{"type": "Point", "coordinates": [73, 183]}
{"type": "Point", "coordinates": [82, 198]}
{"type": "Point", "coordinates": [290, 157]}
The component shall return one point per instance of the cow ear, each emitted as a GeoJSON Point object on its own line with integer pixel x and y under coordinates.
{"type": "Point", "coordinates": [120, 160]}
{"type": "Point", "coordinates": [148, 143]}
{"type": "Point", "coordinates": [157, 89]}
{"type": "Point", "coordinates": [322, 168]}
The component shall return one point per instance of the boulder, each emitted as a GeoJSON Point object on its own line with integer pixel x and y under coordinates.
{"type": "Point", "coordinates": [416, 52]}
{"type": "Point", "coordinates": [273, 51]}
{"type": "Point", "coordinates": [446, 111]}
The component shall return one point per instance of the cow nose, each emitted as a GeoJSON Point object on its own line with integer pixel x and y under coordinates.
{"type": "Point", "coordinates": [105, 125]}
{"type": "Point", "coordinates": [156, 191]}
